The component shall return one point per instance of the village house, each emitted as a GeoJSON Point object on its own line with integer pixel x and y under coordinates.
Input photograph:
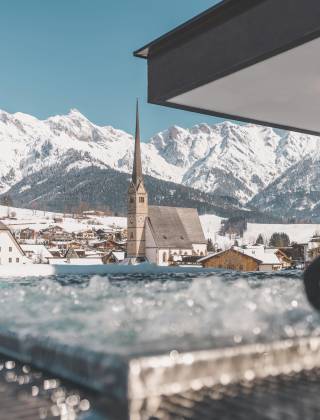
{"type": "Point", "coordinates": [55, 234]}
{"type": "Point", "coordinates": [86, 235]}
{"type": "Point", "coordinates": [114, 257]}
{"type": "Point", "coordinates": [292, 256]}
{"type": "Point", "coordinates": [109, 245]}
{"type": "Point", "coordinates": [312, 249]}
{"type": "Point", "coordinates": [27, 234]}
{"type": "Point", "coordinates": [10, 251]}
{"type": "Point", "coordinates": [157, 234]}
{"type": "Point", "coordinates": [75, 253]}
{"type": "Point", "coordinates": [55, 252]}
{"type": "Point", "coordinates": [244, 259]}
{"type": "Point", "coordinates": [77, 257]}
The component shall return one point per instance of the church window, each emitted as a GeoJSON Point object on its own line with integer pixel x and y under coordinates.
{"type": "Point", "coordinates": [201, 253]}
{"type": "Point", "coordinates": [10, 248]}
{"type": "Point", "coordinates": [131, 235]}
{"type": "Point", "coordinates": [17, 260]}
{"type": "Point", "coordinates": [164, 257]}
{"type": "Point", "coordinates": [141, 199]}
{"type": "Point", "coordinates": [10, 260]}
{"type": "Point", "coordinates": [131, 200]}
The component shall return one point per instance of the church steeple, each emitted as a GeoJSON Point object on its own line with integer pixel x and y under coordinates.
{"type": "Point", "coordinates": [137, 166]}
{"type": "Point", "coordinates": [137, 203]}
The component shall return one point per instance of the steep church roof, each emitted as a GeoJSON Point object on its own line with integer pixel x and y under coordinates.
{"type": "Point", "coordinates": [174, 227]}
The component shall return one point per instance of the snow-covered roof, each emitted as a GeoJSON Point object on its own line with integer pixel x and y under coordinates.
{"type": "Point", "coordinates": [259, 253]}
{"type": "Point", "coordinates": [119, 255]}
{"type": "Point", "coordinates": [266, 256]}
{"type": "Point", "coordinates": [36, 249]}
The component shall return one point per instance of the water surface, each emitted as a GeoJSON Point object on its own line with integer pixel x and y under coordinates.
{"type": "Point", "coordinates": [108, 313]}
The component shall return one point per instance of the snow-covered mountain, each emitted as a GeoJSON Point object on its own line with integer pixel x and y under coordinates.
{"type": "Point", "coordinates": [296, 193]}
{"type": "Point", "coordinates": [228, 159]}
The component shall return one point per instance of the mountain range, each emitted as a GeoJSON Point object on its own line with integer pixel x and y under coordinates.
{"type": "Point", "coordinates": [253, 166]}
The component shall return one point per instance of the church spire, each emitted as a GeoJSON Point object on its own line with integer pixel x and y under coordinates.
{"type": "Point", "coordinates": [137, 166]}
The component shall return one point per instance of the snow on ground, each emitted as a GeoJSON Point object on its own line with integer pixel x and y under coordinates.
{"type": "Point", "coordinates": [211, 225]}
{"type": "Point", "coordinates": [39, 219]}
{"type": "Point", "coordinates": [300, 233]}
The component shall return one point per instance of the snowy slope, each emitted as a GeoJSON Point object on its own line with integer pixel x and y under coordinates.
{"type": "Point", "coordinates": [295, 193]}
{"type": "Point", "coordinates": [300, 233]}
{"type": "Point", "coordinates": [228, 159]}
{"type": "Point", "coordinates": [39, 220]}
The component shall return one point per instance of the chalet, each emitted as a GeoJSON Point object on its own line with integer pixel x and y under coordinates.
{"type": "Point", "coordinates": [27, 234]}
{"type": "Point", "coordinates": [71, 253]}
{"type": "Point", "coordinates": [110, 245]}
{"type": "Point", "coordinates": [55, 233]}
{"type": "Point", "coordinates": [114, 257]}
{"type": "Point", "coordinates": [243, 260]}
{"type": "Point", "coordinates": [10, 251]}
{"type": "Point", "coordinates": [86, 235]}
{"type": "Point", "coordinates": [292, 256]}
{"type": "Point", "coordinates": [55, 252]}
{"type": "Point", "coordinates": [312, 249]}
{"type": "Point", "coordinates": [77, 257]}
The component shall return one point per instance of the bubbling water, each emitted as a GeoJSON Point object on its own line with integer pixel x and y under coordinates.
{"type": "Point", "coordinates": [105, 313]}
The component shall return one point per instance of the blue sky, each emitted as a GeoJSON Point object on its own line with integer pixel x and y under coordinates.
{"type": "Point", "coordinates": [63, 54]}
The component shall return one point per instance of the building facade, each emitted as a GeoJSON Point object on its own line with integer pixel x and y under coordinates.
{"type": "Point", "coordinates": [10, 250]}
{"type": "Point", "coordinates": [244, 259]}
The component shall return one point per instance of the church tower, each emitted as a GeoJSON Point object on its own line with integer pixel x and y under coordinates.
{"type": "Point", "coordinates": [137, 203]}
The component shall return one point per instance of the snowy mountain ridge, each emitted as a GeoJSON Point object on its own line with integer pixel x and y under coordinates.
{"type": "Point", "coordinates": [226, 158]}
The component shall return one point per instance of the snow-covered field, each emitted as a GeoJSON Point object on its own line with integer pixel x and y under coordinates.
{"type": "Point", "coordinates": [300, 233]}
{"type": "Point", "coordinates": [38, 220]}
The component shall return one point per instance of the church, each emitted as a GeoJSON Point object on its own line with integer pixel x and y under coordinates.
{"type": "Point", "coordinates": [159, 234]}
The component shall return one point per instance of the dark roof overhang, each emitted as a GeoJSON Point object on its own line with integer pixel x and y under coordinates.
{"type": "Point", "coordinates": [248, 60]}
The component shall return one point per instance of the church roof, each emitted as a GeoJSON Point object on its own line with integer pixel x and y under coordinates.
{"type": "Point", "coordinates": [175, 227]}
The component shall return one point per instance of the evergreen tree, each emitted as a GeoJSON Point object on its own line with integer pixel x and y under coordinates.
{"type": "Point", "coordinates": [210, 247]}
{"type": "Point", "coordinates": [260, 240]}
{"type": "Point", "coordinates": [279, 239]}
{"type": "Point", "coordinates": [6, 200]}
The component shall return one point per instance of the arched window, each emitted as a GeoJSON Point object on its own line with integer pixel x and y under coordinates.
{"type": "Point", "coordinates": [141, 199]}
{"type": "Point", "coordinates": [201, 253]}
{"type": "Point", "coordinates": [131, 235]}
{"type": "Point", "coordinates": [164, 257]}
